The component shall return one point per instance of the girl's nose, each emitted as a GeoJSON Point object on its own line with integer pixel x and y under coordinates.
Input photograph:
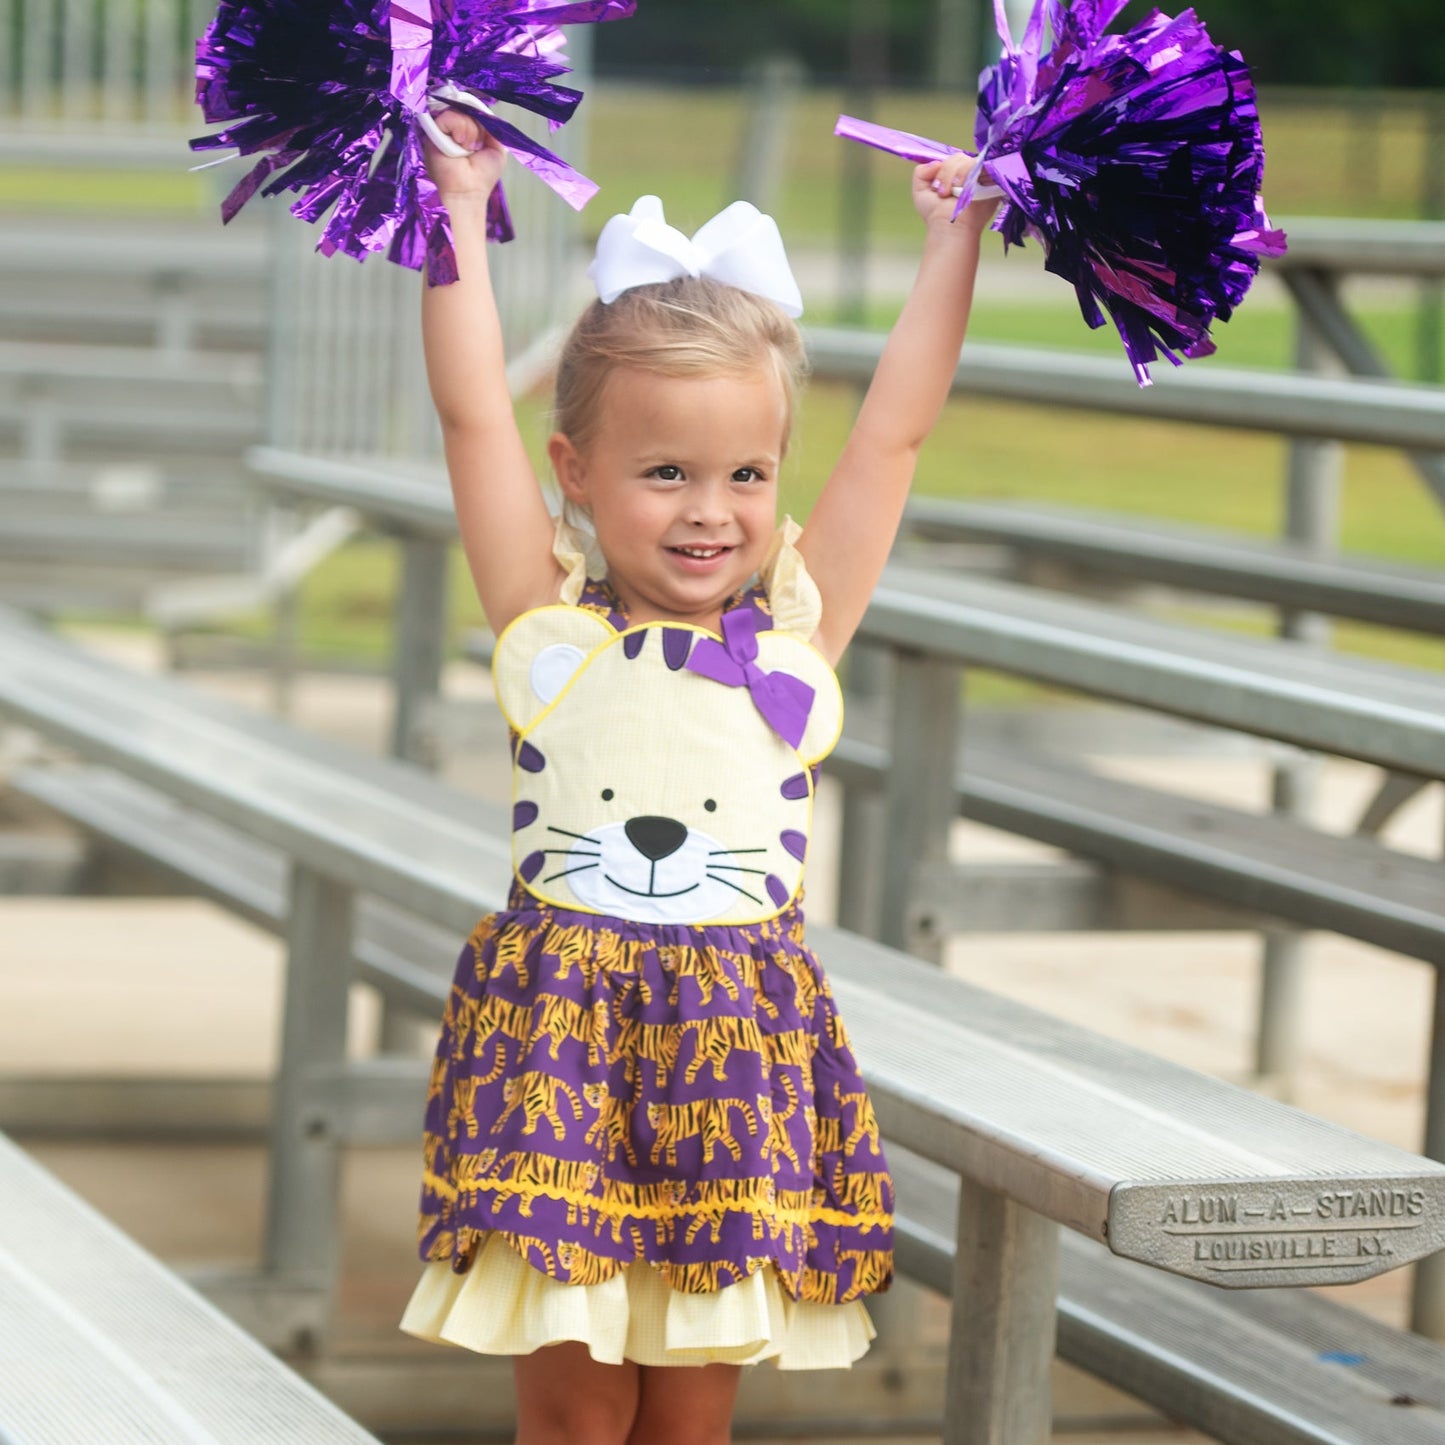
{"type": "Point", "coordinates": [708, 506]}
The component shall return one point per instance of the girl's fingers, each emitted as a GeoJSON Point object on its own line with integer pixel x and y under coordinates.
{"type": "Point", "coordinates": [462, 129]}
{"type": "Point", "coordinates": [952, 174]}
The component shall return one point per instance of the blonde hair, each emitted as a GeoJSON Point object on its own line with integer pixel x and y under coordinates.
{"type": "Point", "coordinates": [691, 326]}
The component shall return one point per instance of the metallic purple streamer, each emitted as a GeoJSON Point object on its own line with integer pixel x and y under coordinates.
{"type": "Point", "coordinates": [328, 95]}
{"type": "Point", "coordinates": [1135, 160]}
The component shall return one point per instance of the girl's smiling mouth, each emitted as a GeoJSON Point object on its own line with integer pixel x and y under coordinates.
{"type": "Point", "coordinates": [699, 552]}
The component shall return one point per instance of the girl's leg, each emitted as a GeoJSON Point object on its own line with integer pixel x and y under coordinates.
{"type": "Point", "coordinates": [686, 1405]}
{"type": "Point", "coordinates": [564, 1397]}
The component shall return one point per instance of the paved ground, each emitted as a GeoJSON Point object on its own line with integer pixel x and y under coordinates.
{"type": "Point", "coordinates": [134, 986]}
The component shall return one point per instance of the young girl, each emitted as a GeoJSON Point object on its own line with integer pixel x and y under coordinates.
{"type": "Point", "coordinates": [649, 1156]}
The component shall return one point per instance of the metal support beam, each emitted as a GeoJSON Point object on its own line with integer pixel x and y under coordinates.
{"type": "Point", "coordinates": [1319, 305]}
{"type": "Point", "coordinates": [301, 1232]}
{"type": "Point", "coordinates": [1427, 1301]}
{"type": "Point", "coordinates": [1312, 506]}
{"type": "Point", "coordinates": [1001, 1341]}
{"type": "Point", "coordinates": [861, 841]}
{"type": "Point", "coordinates": [420, 638]}
{"type": "Point", "coordinates": [919, 802]}
{"type": "Point", "coordinates": [867, 71]}
{"type": "Point", "coordinates": [1395, 791]}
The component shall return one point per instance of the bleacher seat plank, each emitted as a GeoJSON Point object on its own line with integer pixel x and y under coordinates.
{"type": "Point", "coordinates": [1251, 861]}
{"type": "Point", "coordinates": [409, 960]}
{"type": "Point", "coordinates": [101, 1342]}
{"type": "Point", "coordinates": [1198, 558]}
{"type": "Point", "coordinates": [1394, 716]}
{"type": "Point", "coordinates": [1180, 1170]}
{"type": "Point", "coordinates": [1247, 1367]}
{"type": "Point", "coordinates": [156, 540]}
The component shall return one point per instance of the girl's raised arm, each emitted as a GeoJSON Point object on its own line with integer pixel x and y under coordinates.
{"type": "Point", "coordinates": [505, 528]}
{"type": "Point", "coordinates": [852, 527]}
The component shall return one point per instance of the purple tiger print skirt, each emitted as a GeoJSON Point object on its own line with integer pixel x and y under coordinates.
{"type": "Point", "coordinates": [606, 1092]}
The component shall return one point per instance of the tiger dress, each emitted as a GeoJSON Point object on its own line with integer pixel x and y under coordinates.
{"type": "Point", "coordinates": [645, 1128]}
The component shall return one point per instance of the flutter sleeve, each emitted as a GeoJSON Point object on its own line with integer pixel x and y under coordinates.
{"type": "Point", "coordinates": [579, 557]}
{"type": "Point", "coordinates": [796, 603]}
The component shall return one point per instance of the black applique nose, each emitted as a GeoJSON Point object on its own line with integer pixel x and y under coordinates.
{"type": "Point", "coordinates": [655, 838]}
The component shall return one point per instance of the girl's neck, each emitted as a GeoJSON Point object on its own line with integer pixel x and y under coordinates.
{"type": "Point", "coordinates": [636, 608]}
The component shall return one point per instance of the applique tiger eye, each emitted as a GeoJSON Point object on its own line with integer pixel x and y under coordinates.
{"type": "Point", "coordinates": [608, 795]}
{"type": "Point", "coordinates": [710, 806]}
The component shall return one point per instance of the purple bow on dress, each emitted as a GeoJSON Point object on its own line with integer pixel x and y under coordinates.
{"type": "Point", "coordinates": [783, 700]}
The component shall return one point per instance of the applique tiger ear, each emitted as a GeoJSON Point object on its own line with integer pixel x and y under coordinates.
{"type": "Point", "coordinates": [539, 654]}
{"type": "Point", "coordinates": [783, 652]}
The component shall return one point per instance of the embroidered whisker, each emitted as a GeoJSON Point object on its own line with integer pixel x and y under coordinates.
{"type": "Point", "coordinates": [583, 868]}
{"type": "Point", "coordinates": [738, 886]}
{"type": "Point", "coordinates": [568, 833]}
{"type": "Point", "coordinates": [570, 852]}
{"type": "Point", "coordinates": [718, 852]}
{"type": "Point", "coordinates": [738, 868]}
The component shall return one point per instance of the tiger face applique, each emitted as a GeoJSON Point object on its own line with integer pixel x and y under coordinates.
{"type": "Point", "coordinates": [651, 789]}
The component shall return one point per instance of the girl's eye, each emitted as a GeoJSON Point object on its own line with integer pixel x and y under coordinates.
{"type": "Point", "coordinates": [668, 473]}
{"type": "Point", "coordinates": [747, 474]}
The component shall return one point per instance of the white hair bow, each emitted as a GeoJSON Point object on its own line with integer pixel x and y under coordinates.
{"type": "Point", "coordinates": [740, 247]}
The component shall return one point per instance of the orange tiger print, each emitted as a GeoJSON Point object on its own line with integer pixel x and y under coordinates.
{"type": "Point", "coordinates": [792, 1046]}
{"type": "Point", "coordinates": [537, 1095]}
{"type": "Point", "coordinates": [524, 1244]}
{"type": "Point", "coordinates": [612, 1125]}
{"type": "Point", "coordinates": [862, 1193]}
{"type": "Point", "coordinates": [463, 1112]}
{"type": "Point", "coordinates": [555, 1019]}
{"type": "Point", "coordinates": [660, 1044]}
{"type": "Point", "coordinates": [709, 1118]}
{"type": "Point", "coordinates": [717, 1038]}
{"type": "Point", "coordinates": [865, 1123]}
{"type": "Point", "coordinates": [499, 1016]}
{"type": "Point", "coordinates": [828, 1135]}
{"type": "Point", "coordinates": [778, 1138]}
{"type": "Point", "coordinates": [584, 1267]}
{"type": "Point", "coordinates": [573, 946]}
{"type": "Point", "coordinates": [534, 1174]}
{"type": "Point", "coordinates": [511, 953]}
{"type": "Point", "coordinates": [706, 965]}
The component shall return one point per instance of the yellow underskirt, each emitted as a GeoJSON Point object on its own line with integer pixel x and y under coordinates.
{"type": "Point", "coordinates": [504, 1306]}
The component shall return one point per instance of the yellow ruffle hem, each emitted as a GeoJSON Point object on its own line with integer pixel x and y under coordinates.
{"type": "Point", "coordinates": [504, 1306]}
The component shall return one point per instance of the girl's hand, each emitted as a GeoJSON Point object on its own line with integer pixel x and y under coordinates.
{"type": "Point", "coordinates": [936, 188]}
{"type": "Point", "coordinates": [473, 174]}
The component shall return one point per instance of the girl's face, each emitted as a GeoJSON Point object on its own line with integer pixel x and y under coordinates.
{"type": "Point", "coordinates": [681, 479]}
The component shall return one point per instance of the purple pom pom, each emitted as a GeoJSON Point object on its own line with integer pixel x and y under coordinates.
{"type": "Point", "coordinates": [331, 94]}
{"type": "Point", "coordinates": [1135, 160]}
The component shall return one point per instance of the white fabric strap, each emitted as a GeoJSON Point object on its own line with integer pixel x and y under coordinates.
{"type": "Point", "coordinates": [740, 247]}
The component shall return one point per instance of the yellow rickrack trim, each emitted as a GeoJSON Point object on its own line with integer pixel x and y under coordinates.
{"type": "Point", "coordinates": [782, 1214]}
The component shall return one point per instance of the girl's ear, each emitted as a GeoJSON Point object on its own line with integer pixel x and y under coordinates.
{"type": "Point", "coordinates": [785, 652]}
{"type": "Point", "coordinates": [567, 467]}
{"type": "Point", "coordinates": [539, 655]}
